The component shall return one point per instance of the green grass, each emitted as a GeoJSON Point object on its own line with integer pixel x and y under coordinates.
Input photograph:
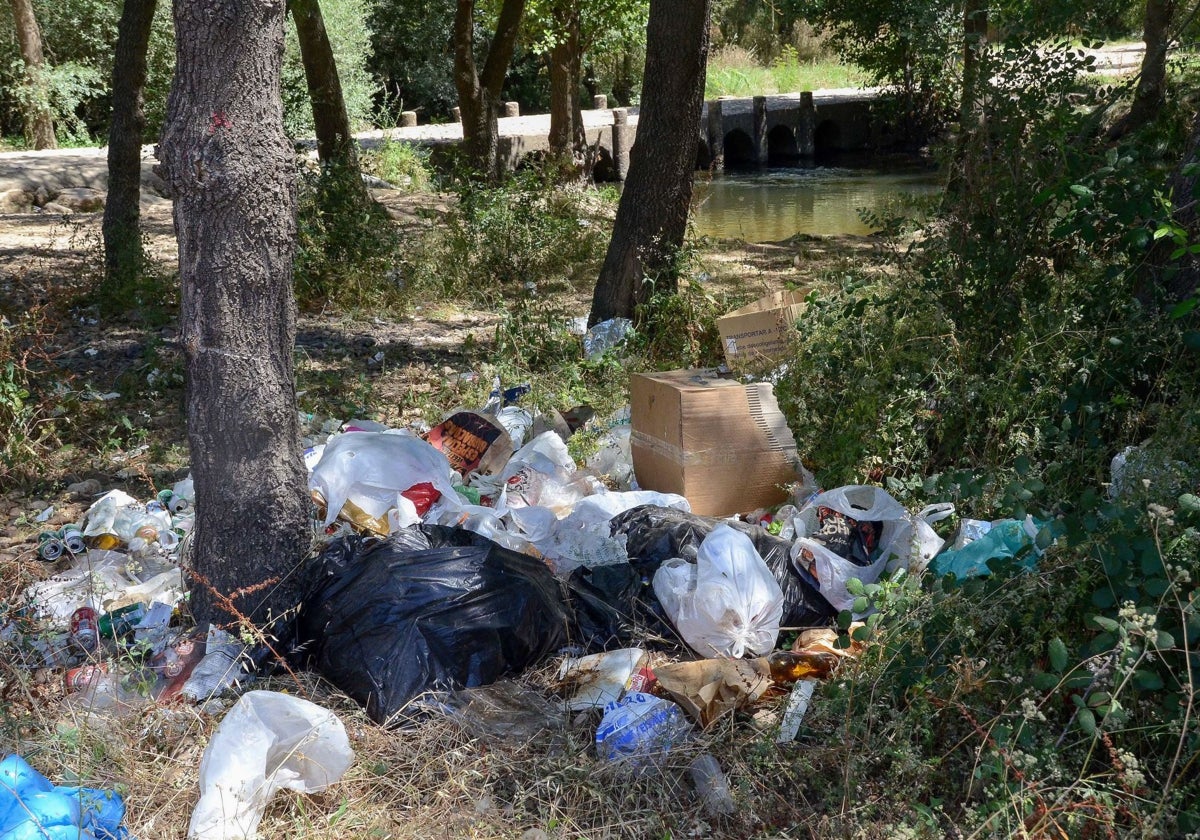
{"type": "Point", "coordinates": [736, 72]}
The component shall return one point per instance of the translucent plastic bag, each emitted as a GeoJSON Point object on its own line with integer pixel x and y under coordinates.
{"type": "Point", "coordinates": [372, 469]}
{"type": "Point", "coordinates": [729, 603]}
{"type": "Point", "coordinates": [895, 538]}
{"type": "Point", "coordinates": [267, 742]}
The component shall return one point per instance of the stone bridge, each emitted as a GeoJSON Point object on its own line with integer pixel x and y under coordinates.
{"type": "Point", "coordinates": [735, 132]}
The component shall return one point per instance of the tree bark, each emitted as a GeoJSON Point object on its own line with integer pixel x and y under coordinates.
{"type": "Point", "coordinates": [652, 214]}
{"type": "Point", "coordinates": [1150, 94]}
{"type": "Point", "coordinates": [972, 126]}
{"type": "Point", "coordinates": [567, 140]}
{"type": "Point", "coordinates": [39, 124]}
{"type": "Point", "coordinates": [335, 142]}
{"type": "Point", "coordinates": [479, 92]}
{"type": "Point", "coordinates": [231, 172]}
{"type": "Point", "coordinates": [123, 254]}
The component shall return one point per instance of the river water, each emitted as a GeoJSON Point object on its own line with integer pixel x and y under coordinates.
{"type": "Point", "coordinates": [768, 205]}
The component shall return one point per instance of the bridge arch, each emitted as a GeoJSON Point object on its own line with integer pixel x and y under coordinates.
{"type": "Point", "coordinates": [827, 138]}
{"type": "Point", "coordinates": [739, 150]}
{"type": "Point", "coordinates": [782, 147]}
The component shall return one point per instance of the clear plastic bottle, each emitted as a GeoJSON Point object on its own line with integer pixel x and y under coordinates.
{"type": "Point", "coordinates": [711, 786]}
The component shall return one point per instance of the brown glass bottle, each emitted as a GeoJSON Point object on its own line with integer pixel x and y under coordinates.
{"type": "Point", "coordinates": [789, 666]}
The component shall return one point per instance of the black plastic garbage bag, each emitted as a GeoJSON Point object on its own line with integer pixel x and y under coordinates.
{"type": "Point", "coordinates": [656, 534]}
{"type": "Point", "coordinates": [427, 608]}
{"type": "Point", "coordinates": [604, 599]}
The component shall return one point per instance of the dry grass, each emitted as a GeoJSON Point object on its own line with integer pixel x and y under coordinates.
{"type": "Point", "coordinates": [431, 779]}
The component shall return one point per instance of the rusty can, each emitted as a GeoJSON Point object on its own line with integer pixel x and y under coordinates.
{"type": "Point", "coordinates": [80, 678]}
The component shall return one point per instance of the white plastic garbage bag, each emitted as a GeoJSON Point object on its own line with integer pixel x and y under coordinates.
{"type": "Point", "coordinates": [542, 473]}
{"type": "Point", "coordinates": [267, 742]}
{"type": "Point", "coordinates": [905, 541]}
{"type": "Point", "coordinates": [372, 469]}
{"type": "Point", "coordinates": [728, 603]}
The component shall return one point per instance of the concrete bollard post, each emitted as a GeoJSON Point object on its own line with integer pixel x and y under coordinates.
{"type": "Point", "coordinates": [716, 135]}
{"type": "Point", "coordinates": [456, 113]}
{"type": "Point", "coordinates": [408, 119]}
{"type": "Point", "coordinates": [806, 129]}
{"type": "Point", "coordinates": [761, 145]}
{"type": "Point", "coordinates": [512, 109]}
{"type": "Point", "coordinates": [599, 102]}
{"type": "Point", "coordinates": [622, 141]}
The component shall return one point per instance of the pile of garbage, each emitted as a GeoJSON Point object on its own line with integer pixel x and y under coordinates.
{"type": "Point", "coordinates": [459, 556]}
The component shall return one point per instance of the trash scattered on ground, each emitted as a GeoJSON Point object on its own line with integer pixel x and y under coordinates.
{"type": "Point", "coordinates": [599, 679]}
{"type": "Point", "coordinates": [605, 336]}
{"type": "Point", "coordinates": [428, 608]}
{"type": "Point", "coordinates": [761, 331]}
{"type": "Point", "coordinates": [796, 709]}
{"type": "Point", "coordinates": [979, 543]}
{"type": "Point", "coordinates": [712, 788]}
{"type": "Point", "coordinates": [676, 418]}
{"type": "Point", "coordinates": [32, 807]}
{"type": "Point", "coordinates": [266, 742]}
{"type": "Point", "coordinates": [725, 604]}
{"type": "Point", "coordinates": [502, 711]}
{"type": "Point", "coordinates": [640, 729]}
{"type": "Point", "coordinates": [859, 532]}
{"type": "Point", "coordinates": [710, 688]}
{"type": "Point", "coordinates": [460, 556]}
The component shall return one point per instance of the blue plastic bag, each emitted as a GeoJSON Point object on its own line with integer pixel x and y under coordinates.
{"type": "Point", "coordinates": [1006, 539]}
{"type": "Point", "coordinates": [32, 808]}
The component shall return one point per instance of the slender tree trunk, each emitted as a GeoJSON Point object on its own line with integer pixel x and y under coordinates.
{"type": "Point", "coordinates": [479, 92]}
{"type": "Point", "coordinates": [1150, 94]}
{"type": "Point", "coordinates": [39, 125]}
{"type": "Point", "coordinates": [972, 127]}
{"type": "Point", "coordinates": [231, 172]}
{"type": "Point", "coordinates": [652, 214]}
{"type": "Point", "coordinates": [568, 142]}
{"type": "Point", "coordinates": [123, 254]}
{"type": "Point", "coordinates": [335, 143]}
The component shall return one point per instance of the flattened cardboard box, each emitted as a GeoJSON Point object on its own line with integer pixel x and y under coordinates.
{"type": "Point", "coordinates": [761, 330]}
{"type": "Point", "coordinates": [722, 444]}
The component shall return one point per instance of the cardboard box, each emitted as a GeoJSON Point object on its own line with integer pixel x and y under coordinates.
{"type": "Point", "coordinates": [722, 444]}
{"type": "Point", "coordinates": [762, 330]}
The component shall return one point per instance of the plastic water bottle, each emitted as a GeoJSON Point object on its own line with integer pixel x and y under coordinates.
{"type": "Point", "coordinates": [711, 786]}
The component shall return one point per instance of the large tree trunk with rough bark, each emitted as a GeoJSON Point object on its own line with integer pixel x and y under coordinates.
{"type": "Point", "coordinates": [567, 140]}
{"type": "Point", "coordinates": [652, 214]}
{"type": "Point", "coordinates": [39, 125]}
{"type": "Point", "coordinates": [231, 172]}
{"type": "Point", "coordinates": [479, 91]}
{"type": "Point", "coordinates": [123, 254]}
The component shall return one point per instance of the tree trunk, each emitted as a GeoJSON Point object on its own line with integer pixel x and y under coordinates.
{"type": "Point", "coordinates": [123, 254]}
{"type": "Point", "coordinates": [231, 172]}
{"type": "Point", "coordinates": [972, 128]}
{"type": "Point", "coordinates": [479, 92]}
{"type": "Point", "coordinates": [39, 125]}
{"type": "Point", "coordinates": [1150, 95]}
{"type": "Point", "coordinates": [652, 214]}
{"type": "Point", "coordinates": [568, 142]}
{"type": "Point", "coordinates": [335, 143]}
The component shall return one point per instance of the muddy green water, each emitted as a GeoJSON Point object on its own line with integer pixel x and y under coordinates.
{"type": "Point", "coordinates": [772, 204]}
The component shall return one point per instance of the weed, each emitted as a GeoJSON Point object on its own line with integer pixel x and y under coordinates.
{"type": "Point", "coordinates": [403, 165]}
{"type": "Point", "coordinates": [347, 249]}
